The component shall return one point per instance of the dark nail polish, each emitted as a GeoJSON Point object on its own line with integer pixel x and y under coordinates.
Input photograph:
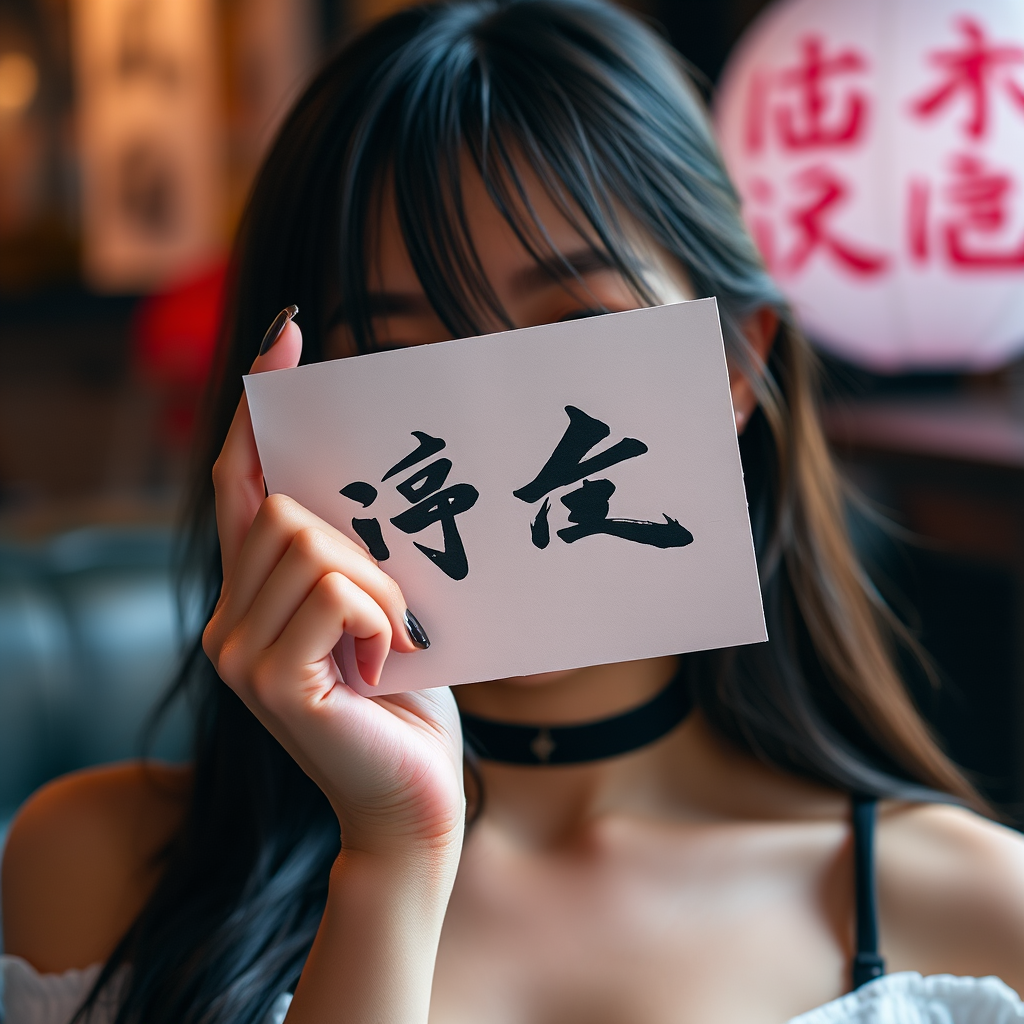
{"type": "Point", "coordinates": [416, 632]}
{"type": "Point", "coordinates": [275, 329]}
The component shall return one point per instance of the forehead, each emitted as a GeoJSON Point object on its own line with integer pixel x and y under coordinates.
{"type": "Point", "coordinates": [494, 240]}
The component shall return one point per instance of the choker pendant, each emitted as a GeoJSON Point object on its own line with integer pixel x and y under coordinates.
{"type": "Point", "coordinates": [520, 743]}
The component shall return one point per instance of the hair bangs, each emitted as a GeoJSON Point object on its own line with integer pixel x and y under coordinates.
{"type": "Point", "coordinates": [455, 105]}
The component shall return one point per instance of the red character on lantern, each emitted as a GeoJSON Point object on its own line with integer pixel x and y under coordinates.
{"type": "Point", "coordinates": [814, 115]}
{"type": "Point", "coordinates": [973, 72]}
{"type": "Point", "coordinates": [978, 212]}
{"type": "Point", "coordinates": [825, 193]}
{"type": "Point", "coordinates": [980, 195]}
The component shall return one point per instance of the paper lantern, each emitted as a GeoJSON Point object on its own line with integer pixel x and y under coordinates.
{"type": "Point", "coordinates": [878, 146]}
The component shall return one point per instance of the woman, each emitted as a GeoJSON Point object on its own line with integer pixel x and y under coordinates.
{"type": "Point", "coordinates": [463, 169]}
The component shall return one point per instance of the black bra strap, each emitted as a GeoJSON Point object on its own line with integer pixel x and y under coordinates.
{"type": "Point", "coordinates": [867, 964]}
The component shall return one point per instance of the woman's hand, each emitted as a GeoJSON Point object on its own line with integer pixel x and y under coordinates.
{"type": "Point", "coordinates": [392, 765]}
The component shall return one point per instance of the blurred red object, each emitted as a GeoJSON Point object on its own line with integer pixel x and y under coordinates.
{"type": "Point", "coordinates": [174, 334]}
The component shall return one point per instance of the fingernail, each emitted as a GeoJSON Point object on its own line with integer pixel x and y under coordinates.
{"type": "Point", "coordinates": [275, 329]}
{"type": "Point", "coordinates": [417, 634]}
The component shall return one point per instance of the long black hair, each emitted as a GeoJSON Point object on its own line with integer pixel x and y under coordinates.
{"type": "Point", "coordinates": [599, 108]}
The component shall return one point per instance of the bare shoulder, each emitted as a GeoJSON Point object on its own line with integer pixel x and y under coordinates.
{"type": "Point", "coordinates": [951, 892]}
{"type": "Point", "coordinates": [82, 857]}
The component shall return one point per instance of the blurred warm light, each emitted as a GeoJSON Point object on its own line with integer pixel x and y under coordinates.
{"type": "Point", "coordinates": [19, 80]}
{"type": "Point", "coordinates": [150, 140]}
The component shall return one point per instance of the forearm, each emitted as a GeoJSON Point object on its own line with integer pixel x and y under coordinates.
{"type": "Point", "coordinates": [373, 958]}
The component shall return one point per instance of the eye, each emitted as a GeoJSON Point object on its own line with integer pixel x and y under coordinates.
{"type": "Point", "coordinates": [582, 314]}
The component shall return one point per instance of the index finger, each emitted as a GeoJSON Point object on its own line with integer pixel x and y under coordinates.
{"type": "Point", "coordinates": [237, 473]}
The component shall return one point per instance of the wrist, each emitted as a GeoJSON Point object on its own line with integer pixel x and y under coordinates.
{"type": "Point", "coordinates": [424, 865]}
{"type": "Point", "coordinates": [415, 846]}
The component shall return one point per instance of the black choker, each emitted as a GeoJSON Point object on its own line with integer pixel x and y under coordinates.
{"type": "Point", "coordinates": [575, 744]}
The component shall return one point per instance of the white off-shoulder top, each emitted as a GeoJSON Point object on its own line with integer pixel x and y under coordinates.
{"type": "Point", "coordinates": [27, 997]}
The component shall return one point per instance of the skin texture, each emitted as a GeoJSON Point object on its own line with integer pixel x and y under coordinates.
{"type": "Point", "coordinates": [681, 882]}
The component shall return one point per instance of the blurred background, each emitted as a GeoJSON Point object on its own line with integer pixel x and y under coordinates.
{"type": "Point", "coordinates": [130, 131]}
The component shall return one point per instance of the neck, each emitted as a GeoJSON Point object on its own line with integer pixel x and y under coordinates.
{"type": "Point", "coordinates": [539, 803]}
{"type": "Point", "coordinates": [688, 775]}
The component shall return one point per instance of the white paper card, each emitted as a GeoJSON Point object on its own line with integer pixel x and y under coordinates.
{"type": "Point", "coordinates": [594, 563]}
